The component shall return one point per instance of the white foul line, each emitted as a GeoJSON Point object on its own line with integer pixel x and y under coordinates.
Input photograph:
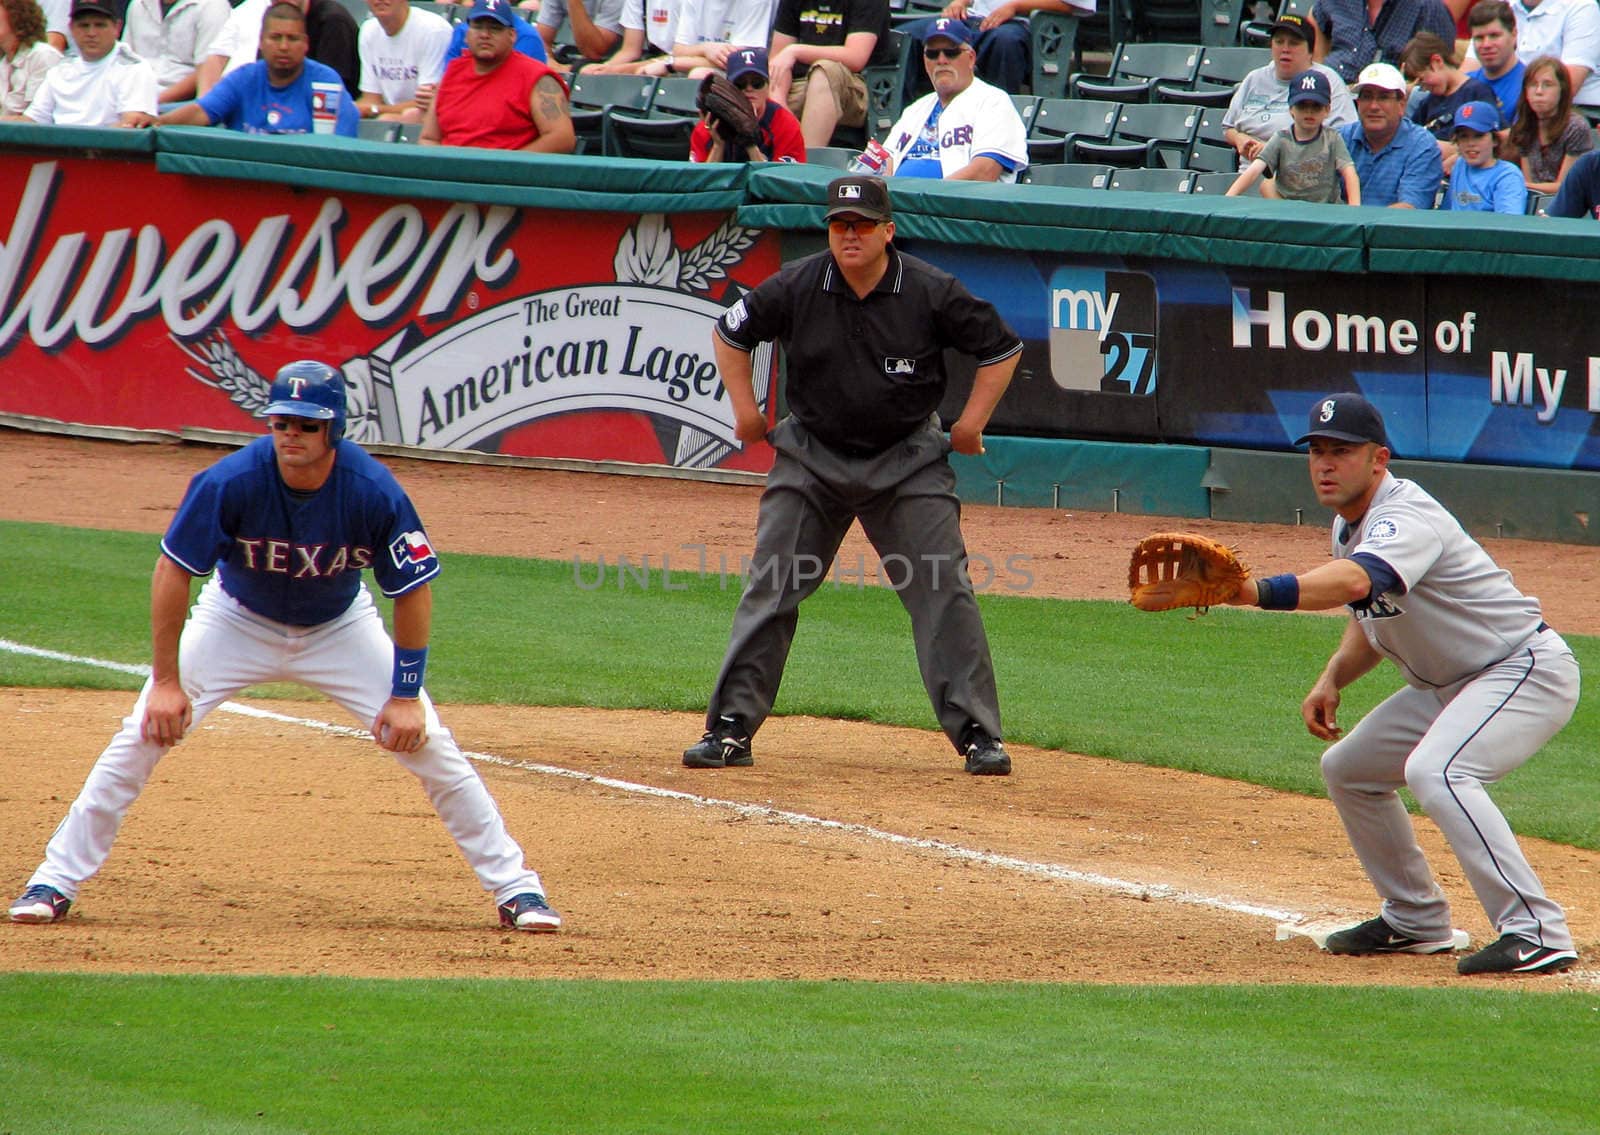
{"type": "Point", "coordinates": [1053, 871]}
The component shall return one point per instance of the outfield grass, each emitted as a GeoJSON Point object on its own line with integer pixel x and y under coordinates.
{"type": "Point", "coordinates": [176, 1055]}
{"type": "Point", "coordinates": [1218, 695]}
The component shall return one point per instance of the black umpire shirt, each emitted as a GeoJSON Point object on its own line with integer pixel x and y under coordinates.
{"type": "Point", "coordinates": [864, 373]}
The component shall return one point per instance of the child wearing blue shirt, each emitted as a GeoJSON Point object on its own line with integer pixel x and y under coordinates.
{"type": "Point", "coordinates": [1480, 182]}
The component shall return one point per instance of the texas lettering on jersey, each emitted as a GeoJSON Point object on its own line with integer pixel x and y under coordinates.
{"type": "Point", "coordinates": [302, 561]}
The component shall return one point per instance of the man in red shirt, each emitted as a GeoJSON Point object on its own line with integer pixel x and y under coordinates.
{"type": "Point", "coordinates": [780, 139]}
{"type": "Point", "coordinates": [495, 97]}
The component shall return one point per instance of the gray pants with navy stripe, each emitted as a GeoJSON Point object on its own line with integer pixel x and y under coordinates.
{"type": "Point", "coordinates": [1445, 745]}
{"type": "Point", "coordinates": [906, 502]}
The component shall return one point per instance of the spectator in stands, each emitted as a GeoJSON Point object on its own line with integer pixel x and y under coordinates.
{"type": "Point", "coordinates": [596, 28]}
{"type": "Point", "coordinates": [25, 54]}
{"type": "Point", "coordinates": [1001, 36]}
{"type": "Point", "coordinates": [1307, 162]}
{"type": "Point", "coordinates": [174, 36]}
{"type": "Point", "coordinates": [1433, 65]}
{"type": "Point", "coordinates": [780, 139]}
{"type": "Point", "coordinates": [1396, 160]}
{"type": "Point", "coordinates": [1354, 33]}
{"type": "Point", "coordinates": [1569, 30]}
{"type": "Point", "coordinates": [964, 130]}
{"type": "Point", "coordinates": [105, 84]}
{"type": "Point", "coordinates": [273, 95]}
{"type": "Point", "coordinates": [497, 98]}
{"type": "Point", "coordinates": [329, 24]}
{"type": "Point", "coordinates": [649, 29]}
{"type": "Point", "coordinates": [529, 41]}
{"type": "Point", "coordinates": [1547, 136]}
{"type": "Point", "coordinates": [1579, 195]}
{"type": "Point", "coordinates": [402, 58]}
{"type": "Point", "coordinates": [1480, 182]}
{"type": "Point", "coordinates": [1494, 44]}
{"type": "Point", "coordinates": [1260, 105]}
{"type": "Point", "coordinates": [819, 49]}
{"type": "Point", "coordinates": [711, 30]}
{"type": "Point", "coordinates": [56, 23]}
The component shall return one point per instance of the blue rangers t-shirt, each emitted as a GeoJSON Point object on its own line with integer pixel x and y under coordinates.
{"type": "Point", "coordinates": [246, 100]}
{"type": "Point", "coordinates": [297, 557]}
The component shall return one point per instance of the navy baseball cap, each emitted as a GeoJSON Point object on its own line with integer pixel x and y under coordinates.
{"type": "Point", "coordinates": [1479, 117]}
{"type": "Point", "coordinates": [747, 61]}
{"type": "Point", "coordinates": [1346, 417]}
{"type": "Point", "coordinates": [94, 8]}
{"type": "Point", "coordinates": [862, 196]}
{"type": "Point", "coordinates": [498, 10]}
{"type": "Point", "coordinates": [1310, 86]}
{"type": "Point", "coordinates": [946, 27]}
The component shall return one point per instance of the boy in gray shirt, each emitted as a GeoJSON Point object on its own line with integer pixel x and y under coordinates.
{"type": "Point", "coordinates": [1307, 162]}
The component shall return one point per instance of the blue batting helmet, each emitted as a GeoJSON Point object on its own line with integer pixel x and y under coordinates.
{"type": "Point", "coordinates": [309, 389]}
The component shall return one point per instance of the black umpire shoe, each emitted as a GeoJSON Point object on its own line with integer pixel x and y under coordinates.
{"type": "Point", "coordinates": [1375, 936]}
{"type": "Point", "coordinates": [725, 745]}
{"type": "Point", "coordinates": [1512, 953]}
{"type": "Point", "coordinates": [986, 756]}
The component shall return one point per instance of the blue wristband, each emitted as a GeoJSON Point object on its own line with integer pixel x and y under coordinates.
{"type": "Point", "coordinates": [409, 665]}
{"type": "Point", "coordinates": [1278, 592]}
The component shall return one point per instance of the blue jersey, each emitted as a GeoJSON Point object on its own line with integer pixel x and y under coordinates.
{"type": "Point", "coordinates": [296, 557]}
{"type": "Point", "coordinates": [246, 100]}
{"type": "Point", "coordinates": [529, 41]}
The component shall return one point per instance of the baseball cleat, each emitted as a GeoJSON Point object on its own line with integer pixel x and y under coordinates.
{"type": "Point", "coordinates": [1375, 936]}
{"type": "Point", "coordinates": [40, 903]}
{"type": "Point", "coordinates": [725, 745]}
{"type": "Point", "coordinates": [986, 756]}
{"type": "Point", "coordinates": [1512, 953]}
{"type": "Point", "coordinates": [529, 911]}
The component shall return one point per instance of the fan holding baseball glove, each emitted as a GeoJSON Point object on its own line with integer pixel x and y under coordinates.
{"type": "Point", "coordinates": [738, 121]}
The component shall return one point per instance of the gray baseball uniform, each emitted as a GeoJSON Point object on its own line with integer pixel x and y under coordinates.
{"type": "Point", "coordinates": [1488, 683]}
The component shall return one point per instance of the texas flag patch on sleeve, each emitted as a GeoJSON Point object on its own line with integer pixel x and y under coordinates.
{"type": "Point", "coordinates": [411, 550]}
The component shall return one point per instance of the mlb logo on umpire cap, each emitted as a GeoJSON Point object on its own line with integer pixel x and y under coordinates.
{"type": "Point", "coordinates": [1345, 417]}
{"type": "Point", "coordinates": [863, 196]}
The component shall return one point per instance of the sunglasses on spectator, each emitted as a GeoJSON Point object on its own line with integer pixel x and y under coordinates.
{"type": "Point", "coordinates": [751, 82]}
{"type": "Point", "coordinates": [861, 226]}
{"type": "Point", "coordinates": [304, 425]}
{"type": "Point", "coordinates": [941, 52]}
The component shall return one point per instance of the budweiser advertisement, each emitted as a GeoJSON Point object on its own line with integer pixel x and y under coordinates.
{"type": "Point", "coordinates": [146, 300]}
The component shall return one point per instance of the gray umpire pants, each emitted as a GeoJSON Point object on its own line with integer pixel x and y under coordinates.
{"type": "Point", "coordinates": [906, 502]}
{"type": "Point", "coordinates": [1446, 745]}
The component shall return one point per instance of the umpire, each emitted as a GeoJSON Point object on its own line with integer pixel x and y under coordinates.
{"type": "Point", "coordinates": [864, 329]}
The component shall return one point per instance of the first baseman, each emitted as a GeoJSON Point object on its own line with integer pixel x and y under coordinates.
{"type": "Point", "coordinates": [864, 329]}
{"type": "Point", "coordinates": [1487, 684]}
{"type": "Point", "coordinates": [288, 523]}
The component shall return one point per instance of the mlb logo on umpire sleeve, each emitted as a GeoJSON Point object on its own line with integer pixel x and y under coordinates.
{"type": "Point", "coordinates": [899, 366]}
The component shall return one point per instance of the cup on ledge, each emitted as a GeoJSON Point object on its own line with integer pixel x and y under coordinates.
{"type": "Point", "coordinates": [325, 106]}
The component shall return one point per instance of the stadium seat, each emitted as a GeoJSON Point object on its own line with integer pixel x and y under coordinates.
{"type": "Point", "coordinates": [1136, 69]}
{"type": "Point", "coordinates": [631, 134]}
{"type": "Point", "coordinates": [1059, 122]}
{"type": "Point", "coordinates": [676, 94]}
{"type": "Point", "coordinates": [1221, 69]}
{"type": "Point", "coordinates": [1152, 180]}
{"type": "Point", "coordinates": [1211, 151]}
{"type": "Point", "coordinates": [1109, 24]}
{"type": "Point", "coordinates": [1052, 39]}
{"type": "Point", "coordinates": [1071, 176]}
{"type": "Point", "coordinates": [591, 94]}
{"type": "Point", "coordinates": [1217, 185]}
{"type": "Point", "coordinates": [830, 157]}
{"type": "Point", "coordinates": [1146, 134]}
{"type": "Point", "coordinates": [1257, 31]}
{"type": "Point", "coordinates": [375, 131]}
{"type": "Point", "coordinates": [1167, 21]}
{"type": "Point", "coordinates": [1027, 107]}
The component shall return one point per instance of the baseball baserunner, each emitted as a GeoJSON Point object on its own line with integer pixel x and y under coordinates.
{"type": "Point", "coordinates": [289, 523]}
{"type": "Point", "coordinates": [1487, 684]}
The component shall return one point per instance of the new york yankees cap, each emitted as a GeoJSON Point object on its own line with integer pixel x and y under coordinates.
{"type": "Point", "coordinates": [1310, 86]}
{"type": "Point", "coordinates": [1346, 417]}
{"type": "Point", "coordinates": [863, 196]}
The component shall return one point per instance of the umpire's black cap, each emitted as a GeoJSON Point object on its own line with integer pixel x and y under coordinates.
{"type": "Point", "coordinates": [862, 196]}
{"type": "Point", "coordinates": [1347, 417]}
